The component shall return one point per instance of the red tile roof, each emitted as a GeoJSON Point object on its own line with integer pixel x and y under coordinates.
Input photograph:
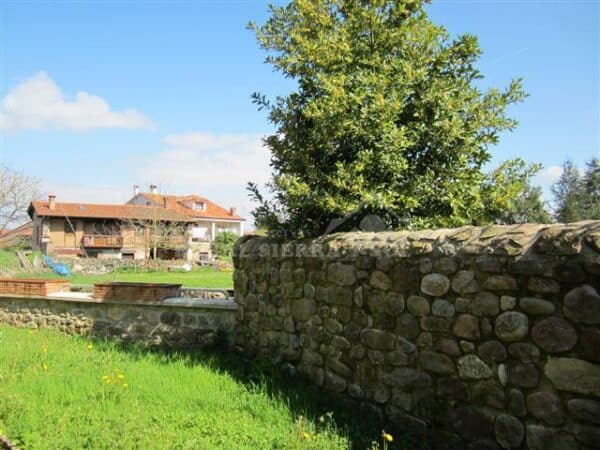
{"type": "Point", "coordinates": [22, 230]}
{"type": "Point", "coordinates": [98, 211]}
{"type": "Point", "coordinates": [178, 203]}
{"type": "Point", "coordinates": [10, 237]}
{"type": "Point", "coordinates": [160, 207]}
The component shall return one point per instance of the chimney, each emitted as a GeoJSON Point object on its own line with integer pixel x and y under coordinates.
{"type": "Point", "coordinates": [153, 188]}
{"type": "Point", "coordinates": [232, 211]}
{"type": "Point", "coordinates": [136, 190]}
{"type": "Point", "coordinates": [165, 202]}
{"type": "Point", "coordinates": [51, 201]}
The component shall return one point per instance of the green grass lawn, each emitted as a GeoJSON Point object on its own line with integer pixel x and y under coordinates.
{"type": "Point", "coordinates": [59, 391]}
{"type": "Point", "coordinates": [201, 277]}
{"type": "Point", "coordinates": [8, 260]}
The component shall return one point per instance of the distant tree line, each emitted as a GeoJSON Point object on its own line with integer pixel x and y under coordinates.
{"type": "Point", "coordinates": [576, 194]}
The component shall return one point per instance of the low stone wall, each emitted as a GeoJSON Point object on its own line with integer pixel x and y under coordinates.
{"type": "Point", "coordinates": [206, 293]}
{"type": "Point", "coordinates": [95, 266]}
{"type": "Point", "coordinates": [197, 325]}
{"type": "Point", "coordinates": [480, 337]}
{"type": "Point", "coordinates": [106, 265]}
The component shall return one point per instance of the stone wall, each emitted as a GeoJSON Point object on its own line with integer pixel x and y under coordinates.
{"type": "Point", "coordinates": [197, 325]}
{"type": "Point", "coordinates": [479, 337]}
{"type": "Point", "coordinates": [95, 266]}
{"type": "Point", "coordinates": [106, 265]}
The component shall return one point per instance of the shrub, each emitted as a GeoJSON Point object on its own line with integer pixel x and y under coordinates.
{"type": "Point", "coordinates": [223, 243]}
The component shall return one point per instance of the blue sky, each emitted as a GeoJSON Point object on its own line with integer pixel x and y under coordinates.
{"type": "Point", "coordinates": [98, 96]}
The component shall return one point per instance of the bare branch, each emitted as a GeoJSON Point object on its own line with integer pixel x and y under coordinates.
{"type": "Point", "coordinates": [17, 190]}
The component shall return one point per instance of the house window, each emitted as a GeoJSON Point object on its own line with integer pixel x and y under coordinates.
{"type": "Point", "coordinates": [199, 206]}
{"type": "Point", "coordinates": [70, 227]}
{"type": "Point", "coordinates": [199, 233]}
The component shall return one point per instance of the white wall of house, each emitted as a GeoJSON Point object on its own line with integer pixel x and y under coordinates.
{"type": "Point", "coordinates": [208, 229]}
{"type": "Point", "coordinates": [203, 232]}
{"type": "Point", "coordinates": [234, 227]}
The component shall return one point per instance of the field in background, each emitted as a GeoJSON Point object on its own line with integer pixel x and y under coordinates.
{"type": "Point", "coordinates": [59, 391]}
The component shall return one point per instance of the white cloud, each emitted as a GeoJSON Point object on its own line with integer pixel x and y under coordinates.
{"type": "Point", "coordinates": [547, 177]}
{"type": "Point", "coordinates": [218, 166]}
{"type": "Point", "coordinates": [550, 175]}
{"type": "Point", "coordinates": [207, 160]}
{"type": "Point", "coordinates": [38, 103]}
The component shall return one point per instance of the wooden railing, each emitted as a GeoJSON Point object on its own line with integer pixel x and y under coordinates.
{"type": "Point", "coordinates": [102, 241]}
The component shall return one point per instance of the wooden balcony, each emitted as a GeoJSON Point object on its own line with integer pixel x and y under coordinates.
{"type": "Point", "coordinates": [102, 241]}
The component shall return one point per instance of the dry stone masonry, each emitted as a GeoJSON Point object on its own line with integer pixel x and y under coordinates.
{"type": "Point", "coordinates": [151, 324]}
{"type": "Point", "coordinates": [484, 338]}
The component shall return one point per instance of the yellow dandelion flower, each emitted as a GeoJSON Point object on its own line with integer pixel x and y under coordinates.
{"type": "Point", "coordinates": [125, 385]}
{"type": "Point", "coordinates": [44, 350]}
{"type": "Point", "coordinates": [121, 376]}
{"type": "Point", "coordinates": [105, 377]}
{"type": "Point", "coordinates": [30, 332]}
{"type": "Point", "coordinates": [388, 437]}
{"type": "Point", "coordinates": [306, 435]}
{"type": "Point", "coordinates": [90, 346]}
{"type": "Point", "coordinates": [45, 366]}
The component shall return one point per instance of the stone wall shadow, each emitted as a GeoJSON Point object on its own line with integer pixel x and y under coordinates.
{"type": "Point", "coordinates": [359, 422]}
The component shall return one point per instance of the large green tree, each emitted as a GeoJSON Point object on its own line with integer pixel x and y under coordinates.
{"type": "Point", "coordinates": [387, 115]}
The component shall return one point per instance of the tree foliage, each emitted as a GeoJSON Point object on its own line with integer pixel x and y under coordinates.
{"type": "Point", "coordinates": [577, 197]}
{"type": "Point", "coordinates": [510, 198]}
{"type": "Point", "coordinates": [591, 189]}
{"type": "Point", "coordinates": [223, 243]}
{"type": "Point", "coordinates": [386, 114]}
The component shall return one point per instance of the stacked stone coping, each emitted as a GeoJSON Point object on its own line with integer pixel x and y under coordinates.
{"type": "Point", "coordinates": [181, 326]}
{"type": "Point", "coordinates": [487, 337]}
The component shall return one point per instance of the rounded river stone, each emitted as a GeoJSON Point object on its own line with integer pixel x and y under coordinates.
{"type": "Point", "coordinates": [509, 431]}
{"type": "Point", "coordinates": [435, 284]}
{"type": "Point", "coordinates": [554, 335]}
{"type": "Point", "coordinates": [511, 326]}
